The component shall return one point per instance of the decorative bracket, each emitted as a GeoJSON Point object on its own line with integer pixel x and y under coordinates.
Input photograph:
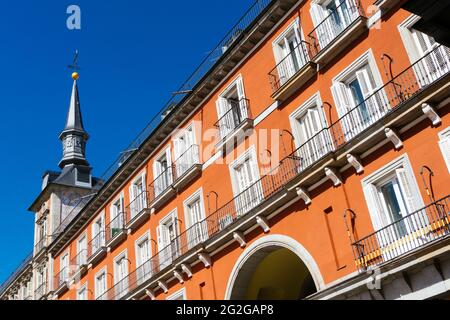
{"type": "Point", "coordinates": [187, 269]}
{"type": "Point", "coordinates": [179, 276]}
{"type": "Point", "coordinates": [150, 294]}
{"type": "Point", "coordinates": [333, 176]}
{"type": "Point", "coordinates": [163, 286]}
{"type": "Point", "coordinates": [263, 223]}
{"type": "Point", "coordinates": [431, 114]}
{"type": "Point", "coordinates": [302, 193]}
{"type": "Point", "coordinates": [205, 258]}
{"type": "Point", "coordinates": [355, 161]}
{"type": "Point", "coordinates": [240, 238]}
{"type": "Point", "coordinates": [393, 136]}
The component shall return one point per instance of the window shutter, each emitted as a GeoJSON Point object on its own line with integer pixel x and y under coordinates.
{"type": "Point", "coordinates": [365, 82]}
{"type": "Point", "coordinates": [444, 144]}
{"type": "Point", "coordinates": [221, 106]}
{"type": "Point", "coordinates": [375, 208]}
{"type": "Point", "coordinates": [159, 237]}
{"type": "Point", "coordinates": [316, 12]}
{"type": "Point", "coordinates": [340, 95]}
{"type": "Point", "coordinates": [406, 185]}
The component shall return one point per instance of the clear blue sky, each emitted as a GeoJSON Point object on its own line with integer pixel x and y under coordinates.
{"type": "Point", "coordinates": [133, 54]}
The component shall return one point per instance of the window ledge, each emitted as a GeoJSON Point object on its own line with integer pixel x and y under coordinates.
{"type": "Point", "coordinates": [117, 239]}
{"type": "Point", "coordinates": [135, 222]}
{"type": "Point", "coordinates": [97, 256]}
{"type": "Point", "coordinates": [294, 83]}
{"type": "Point", "coordinates": [63, 287]}
{"type": "Point", "coordinates": [162, 198]}
{"type": "Point", "coordinates": [341, 42]}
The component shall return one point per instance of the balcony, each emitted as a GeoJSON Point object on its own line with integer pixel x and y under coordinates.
{"type": "Point", "coordinates": [414, 231]}
{"type": "Point", "coordinates": [79, 264]}
{"type": "Point", "coordinates": [61, 282]}
{"type": "Point", "coordinates": [292, 73]}
{"type": "Point", "coordinates": [187, 167]}
{"type": "Point", "coordinates": [337, 31]}
{"type": "Point", "coordinates": [136, 213]}
{"type": "Point", "coordinates": [40, 247]}
{"type": "Point", "coordinates": [394, 103]}
{"type": "Point", "coordinates": [41, 291]}
{"type": "Point", "coordinates": [233, 124]}
{"type": "Point", "coordinates": [96, 248]}
{"type": "Point", "coordinates": [162, 189]}
{"type": "Point", "coordinates": [116, 231]}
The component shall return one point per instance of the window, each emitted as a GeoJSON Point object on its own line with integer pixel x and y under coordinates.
{"type": "Point", "coordinates": [82, 293]}
{"type": "Point", "coordinates": [290, 52]}
{"type": "Point", "coordinates": [64, 269]}
{"type": "Point", "coordinates": [82, 251]}
{"type": "Point", "coordinates": [167, 233]}
{"type": "Point", "coordinates": [195, 215]}
{"type": "Point", "coordinates": [138, 195]}
{"type": "Point", "coordinates": [186, 152]}
{"type": "Point", "coordinates": [419, 45]}
{"type": "Point", "coordinates": [179, 295]}
{"type": "Point", "coordinates": [245, 181]}
{"type": "Point", "coordinates": [332, 17]}
{"type": "Point", "coordinates": [143, 254]}
{"type": "Point", "coordinates": [359, 101]}
{"type": "Point", "coordinates": [444, 144]}
{"type": "Point", "coordinates": [162, 171]}
{"type": "Point", "coordinates": [392, 194]}
{"type": "Point", "coordinates": [116, 217]}
{"type": "Point", "coordinates": [120, 275]}
{"type": "Point", "coordinates": [308, 123]}
{"type": "Point", "coordinates": [98, 233]}
{"type": "Point", "coordinates": [232, 108]}
{"type": "Point", "coordinates": [100, 284]}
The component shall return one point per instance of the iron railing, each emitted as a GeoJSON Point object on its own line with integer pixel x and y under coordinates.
{"type": "Point", "coordinates": [96, 244]}
{"type": "Point", "coordinates": [238, 112]}
{"type": "Point", "coordinates": [186, 161]}
{"type": "Point", "coordinates": [80, 259]}
{"type": "Point", "coordinates": [115, 227]}
{"type": "Point", "coordinates": [292, 63]}
{"type": "Point", "coordinates": [40, 291]}
{"type": "Point", "coordinates": [136, 206]}
{"type": "Point", "coordinates": [161, 183]}
{"type": "Point", "coordinates": [400, 89]}
{"type": "Point", "coordinates": [40, 245]}
{"type": "Point", "coordinates": [413, 231]}
{"type": "Point", "coordinates": [61, 278]}
{"type": "Point", "coordinates": [333, 25]}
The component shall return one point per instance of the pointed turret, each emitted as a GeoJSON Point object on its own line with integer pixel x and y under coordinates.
{"type": "Point", "coordinates": [74, 136]}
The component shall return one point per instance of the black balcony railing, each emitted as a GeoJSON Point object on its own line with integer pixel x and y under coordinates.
{"type": "Point", "coordinates": [135, 208]}
{"type": "Point", "coordinates": [386, 99]}
{"type": "Point", "coordinates": [96, 244]}
{"type": "Point", "coordinates": [115, 227]}
{"type": "Point", "coordinates": [289, 65]}
{"type": "Point", "coordinates": [61, 278]}
{"type": "Point", "coordinates": [23, 265]}
{"type": "Point", "coordinates": [403, 236]}
{"type": "Point", "coordinates": [80, 259]}
{"type": "Point", "coordinates": [186, 161]}
{"type": "Point", "coordinates": [333, 25]}
{"type": "Point", "coordinates": [161, 183]}
{"type": "Point", "coordinates": [40, 245]}
{"type": "Point", "coordinates": [238, 112]}
{"type": "Point", "coordinates": [40, 291]}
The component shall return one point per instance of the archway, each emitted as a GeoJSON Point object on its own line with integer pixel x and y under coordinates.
{"type": "Point", "coordinates": [274, 267]}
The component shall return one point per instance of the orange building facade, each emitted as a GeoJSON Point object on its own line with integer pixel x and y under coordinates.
{"type": "Point", "coordinates": [310, 161]}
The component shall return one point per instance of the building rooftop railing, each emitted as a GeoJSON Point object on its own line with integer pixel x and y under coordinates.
{"type": "Point", "coordinates": [23, 265]}
{"type": "Point", "coordinates": [385, 100]}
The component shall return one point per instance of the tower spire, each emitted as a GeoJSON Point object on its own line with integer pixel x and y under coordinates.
{"type": "Point", "coordinates": [74, 136]}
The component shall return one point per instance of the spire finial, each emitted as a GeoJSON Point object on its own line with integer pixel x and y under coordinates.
{"type": "Point", "coordinates": [74, 66]}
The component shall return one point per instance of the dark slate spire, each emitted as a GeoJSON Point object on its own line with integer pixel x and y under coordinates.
{"type": "Point", "coordinates": [74, 136]}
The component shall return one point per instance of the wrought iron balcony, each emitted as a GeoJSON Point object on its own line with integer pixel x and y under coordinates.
{"type": "Point", "coordinates": [40, 291]}
{"type": "Point", "coordinates": [387, 100]}
{"type": "Point", "coordinates": [412, 232]}
{"type": "Point", "coordinates": [40, 246]}
{"type": "Point", "coordinates": [187, 166]}
{"type": "Point", "coordinates": [79, 263]}
{"type": "Point", "coordinates": [136, 212]}
{"type": "Point", "coordinates": [292, 72]}
{"type": "Point", "coordinates": [238, 117]}
{"type": "Point", "coordinates": [96, 248]}
{"type": "Point", "coordinates": [115, 230]}
{"type": "Point", "coordinates": [337, 30]}
{"type": "Point", "coordinates": [161, 189]}
{"type": "Point", "coordinates": [60, 281]}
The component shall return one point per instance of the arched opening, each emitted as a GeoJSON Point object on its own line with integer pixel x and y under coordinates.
{"type": "Point", "coordinates": [273, 273]}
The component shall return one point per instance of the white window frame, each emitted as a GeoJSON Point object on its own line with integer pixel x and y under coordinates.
{"type": "Point", "coordinates": [139, 264]}
{"type": "Point", "coordinates": [66, 267]}
{"type": "Point", "coordinates": [407, 37]}
{"type": "Point", "coordinates": [444, 144]}
{"type": "Point", "coordinates": [102, 216]}
{"type": "Point", "coordinates": [157, 171]}
{"type": "Point", "coordinates": [401, 162]}
{"type": "Point", "coordinates": [314, 101]}
{"type": "Point", "coordinates": [84, 236]}
{"type": "Point", "coordinates": [113, 215]}
{"type": "Point", "coordinates": [140, 178]}
{"type": "Point", "coordinates": [179, 294]}
{"type": "Point", "coordinates": [86, 292]}
{"type": "Point", "coordinates": [202, 225]}
{"type": "Point", "coordinates": [120, 256]}
{"type": "Point", "coordinates": [96, 282]}
{"type": "Point", "coordinates": [166, 248]}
